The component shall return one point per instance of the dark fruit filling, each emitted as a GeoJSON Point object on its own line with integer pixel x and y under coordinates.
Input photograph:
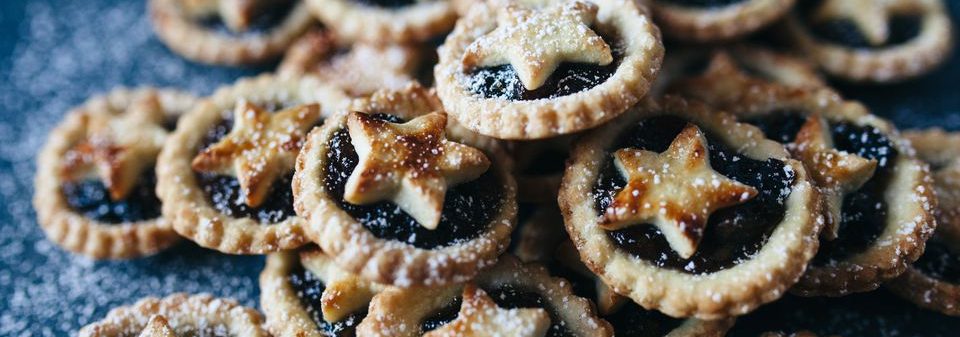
{"type": "Point", "coordinates": [309, 289]}
{"type": "Point", "coordinates": [467, 209]}
{"type": "Point", "coordinates": [91, 199]}
{"type": "Point", "coordinates": [875, 313]}
{"type": "Point", "coordinates": [267, 18]}
{"type": "Point", "coordinates": [506, 296]}
{"type": "Point", "coordinates": [781, 126]}
{"type": "Point", "coordinates": [863, 215]}
{"type": "Point", "coordinates": [902, 28]}
{"type": "Point", "coordinates": [940, 262]}
{"type": "Point", "coordinates": [733, 234]}
{"type": "Point", "coordinates": [702, 3]}
{"type": "Point", "coordinates": [392, 4]}
{"type": "Point", "coordinates": [547, 162]}
{"type": "Point", "coordinates": [224, 193]}
{"type": "Point", "coordinates": [502, 82]}
{"type": "Point", "coordinates": [634, 321]}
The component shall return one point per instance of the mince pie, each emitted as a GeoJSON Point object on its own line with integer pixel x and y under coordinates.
{"type": "Point", "coordinates": [179, 315]}
{"type": "Point", "coordinates": [514, 69]}
{"type": "Point", "coordinates": [872, 41]}
{"type": "Point", "coordinates": [933, 281]}
{"type": "Point", "coordinates": [304, 294]}
{"type": "Point", "coordinates": [385, 21]}
{"type": "Point", "coordinates": [713, 20]}
{"type": "Point", "coordinates": [688, 212]}
{"type": "Point", "coordinates": [229, 32]}
{"type": "Point", "coordinates": [399, 196]}
{"type": "Point", "coordinates": [509, 299]}
{"type": "Point", "coordinates": [359, 69]}
{"type": "Point", "coordinates": [225, 175]}
{"type": "Point", "coordinates": [95, 180]}
{"type": "Point", "coordinates": [877, 198]}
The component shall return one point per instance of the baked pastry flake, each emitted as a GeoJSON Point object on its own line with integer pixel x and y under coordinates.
{"type": "Point", "coordinates": [95, 180]}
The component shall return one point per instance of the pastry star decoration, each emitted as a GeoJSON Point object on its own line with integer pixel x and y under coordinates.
{"type": "Point", "coordinates": [481, 316]}
{"type": "Point", "coordinates": [870, 16]}
{"type": "Point", "coordinates": [834, 171]}
{"type": "Point", "coordinates": [261, 147]}
{"type": "Point", "coordinates": [411, 164]}
{"type": "Point", "coordinates": [676, 191]}
{"type": "Point", "coordinates": [157, 327]}
{"type": "Point", "coordinates": [344, 294]}
{"type": "Point", "coordinates": [119, 148]}
{"type": "Point", "coordinates": [535, 42]}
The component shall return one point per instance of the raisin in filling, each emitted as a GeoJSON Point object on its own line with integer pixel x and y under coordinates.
{"type": "Point", "coordinates": [733, 234]}
{"type": "Point", "coordinates": [875, 313]}
{"type": "Point", "coordinates": [940, 262]}
{"type": "Point", "coordinates": [902, 28]}
{"type": "Point", "coordinates": [863, 214]}
{"type": "Point", "coordinates": [702, 3]}
{"type": "Point", "coordinates": [223, 191]}
{"type": "Point", "coordinates": [467, 209]}
{"type": "Point", "coordinates": [781, 125]}
{"type": "Point", "coordinates": [502, 81]}
{"type": "Point", "coordinates": [309, 289]}
{"type": "Point", "coordinates": [506, 296]}
{"type": "Point", "coordinates": [91, 199]}
{"type": "Point", "coordinates": [391, 4]}
{"type": "Point", "coordinates": [267, 19]}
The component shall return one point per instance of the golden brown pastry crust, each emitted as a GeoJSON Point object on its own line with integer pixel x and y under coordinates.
{"type": "Point", "coordinates": [882, 65]}
{"type": "Point", "coordinates": [396, 263]}
{"type": "Point", "coordinates": [355, 22]}
{"type": "Point", "coordinates": [185, 203]}
{"type": "Point", "coordinates": [508, 119]}
{"type": "Point", "coordinates": [188, 38]}
{"type": "Point", "coordinates": [184, 313]}
{"type": "Point", "coordinates": [709, 24]}
{"type": "Point", "coordinates": [732, 291]}
{"type": "Point", "coordinates": [80, 234]}
{"type": "Point", "coordinates": [362, 70]}
{"type": "Point", "coordinates": [398, 312]}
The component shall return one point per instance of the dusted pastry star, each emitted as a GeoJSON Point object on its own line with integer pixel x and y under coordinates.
{"type": "Point", "coordinates": [118, 155]}
{"type": "Point", "coordinates": [676, 191]}
{"type": "Point", "coordinates": [535, 42]}
{"type": "Point", "coordinates": [832, 169]}
{"type": "Point", "coordinates": [870, 16]}
{"type": "Point", "coordinates": [411, 164]}
{"type": "Point", "coordinates": [157, 327]}
{"type": "Point", "coordinates": [481, 316]}
{"type": "Point", "coordinates": [261, 147]}
{"type": "Point", "coordinates": [345, 293]}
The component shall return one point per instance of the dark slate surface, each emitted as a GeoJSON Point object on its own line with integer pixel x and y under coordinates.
{"type": "Point", "coordinates": [54, 54]}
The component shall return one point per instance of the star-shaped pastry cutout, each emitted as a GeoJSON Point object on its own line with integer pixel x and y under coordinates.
{"type": "Point", "coordinates": [481, 316]}
{"type": "Point", "coordinates": [834, 171]}
{"type": "Point", "coordinates": [261, 147]}
{"type": "Point", "coordinates": [870, 16]}
{"type": "Point", "coordinates": [119, 148]}
{"type": "Point", "coordinates": [608, 301]}
{"type": "Point", "coordinates": [536, 41]}
{"type": "Point", "coordinates": [157, 327]}
{"type": "Point", "coordinates": [344, 292]}
{"type": "Point", "coordinates": [411, 164]}
{"type": "Point", "coordinates": [676, 191]}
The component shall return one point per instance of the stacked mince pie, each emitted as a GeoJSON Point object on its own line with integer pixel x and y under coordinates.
{"type": "Point", "coordinates": [521, 167]}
